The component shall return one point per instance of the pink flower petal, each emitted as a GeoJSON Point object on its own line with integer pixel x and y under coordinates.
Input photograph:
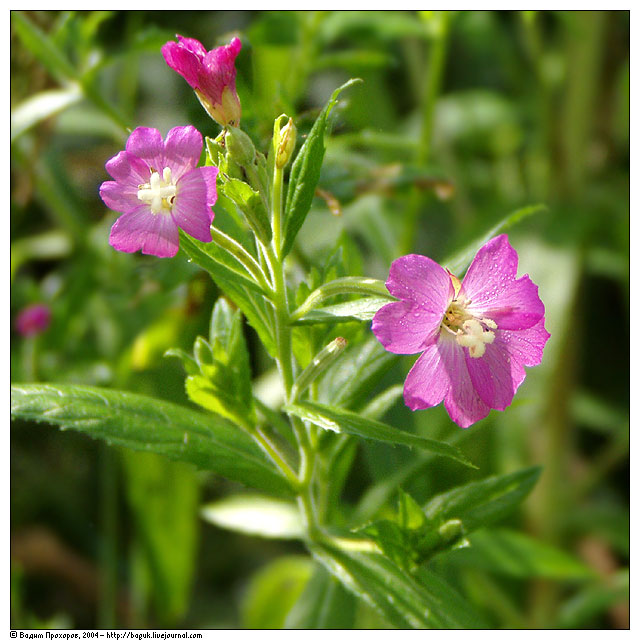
{"type": "Point", "coordinates": [496, 375]}
{"type": "Point", "coordinates": [125, 167]}
{"type": "Point", "coordinates": [428, 381]}
{"type": "Point", "coordinates": [193, 45]}
{"type": "Point", "coordinates": [182, 150]}
{"type": "Point", "coordinates": [526, 346]}
{"type": "Point", "coordinates": [219, 71]}
{"type": "Point", "coordinates": [419, 279]}
{"type": "Point", "coordinates": [146, 143]}
{"type": "Point", "coordinates": [184, 60]}
{"type": "Point", "coordinates": [33, 319]}
{"type": "Point", "coordinates": [119, 197]}
{"type": "Point", "coordinates": [491, 286]}
{"type": "Point", "coordinates": [462, 401]}
{"type": "Point", "coordinates": [403, 327]}
{"type": "Point", "coordinates": [191, 211]}
{"type": "Point", "coordinates": [154, 234]}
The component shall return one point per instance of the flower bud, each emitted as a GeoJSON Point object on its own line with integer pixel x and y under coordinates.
{"type": "Point", "coordinates": [286, 144]}
{"type": "Point", "coordinates": [33, 319]}
{"type": "Point", "coordinates": [239, 147]}
{"type": "Point", "coordinates": [319, 365]}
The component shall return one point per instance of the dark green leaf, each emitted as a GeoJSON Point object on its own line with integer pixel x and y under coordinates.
{"type": "Point", "coordinates": [344, 421]}
{"type": "Point", "coordinates": [397, 596]}
{"type": "Point", "coordinates": [305, 173]}
{"type": "Point", "coordinates": [480, 503]}
{"type": "Point", "coordinates": [324, 604]}
{"type": "Point", "coordinates": [163, 496]}
{"type": "Point", "coordinates": [518, 555]}
{"type": "Point", "coordinates": [149, 424]}
{"type": "Point", "coordinates": [352, 379]}
{"type": "Point", "coordinates": [242, 291]}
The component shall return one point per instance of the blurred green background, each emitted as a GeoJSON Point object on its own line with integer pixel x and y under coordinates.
{"type": "Point", "coordinates": [463, 117]}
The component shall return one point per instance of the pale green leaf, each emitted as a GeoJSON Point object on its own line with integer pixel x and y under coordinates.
{"type": "Point", "coordinates": [255, 515]}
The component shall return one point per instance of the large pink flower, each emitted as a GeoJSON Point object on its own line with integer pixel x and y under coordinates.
{"type": "Point", "coordinates": [475, 336]}
{"type": "Point", "coordinates": [158, 188]}
{"type": "Point", "coordinates": [212, 74]}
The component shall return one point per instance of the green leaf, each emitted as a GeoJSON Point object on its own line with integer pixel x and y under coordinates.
{"type": "Point", "coordinates": [480, 503]}
{"type": "Point", "coordinates": [359, 369]}
{"type": "Point", "coordinates": [455, 609]}
{"type": "Point", "coordinates": [305, 173]}
{"type": "Point", "coordinates": [361, 309]}
{"type": "Point", "coordinates": [340, 286]}
{"type": "Point", "coordinates": [250, 204]}
{"type": "Point", "coordinates": [458, 262]}
{"type": "Point", "coordinates": [149, 424]}
{"type": "Point", "coordinates": [344, 421]}
{"type": "Point", "coordinates": [273, 590]}
{"type": "Point", "coordinates": [42, 47]}
{"type": "Point", "coordinates": [397, 596]}
{"type": "Point", "coordinates": [242, 291]}
{"type": "Point", "coordinates": [582, 609]}
{"type": "Point", "coordinates": [519, 555]}
{"type": "Point", "coordinates": [255, 515]}
{"type": "Point", "coordinates": [324, 604]}
{"type": "Point", "coordinates": [41, 106]}
{"type": "Point", "coordinates": [163, 496]}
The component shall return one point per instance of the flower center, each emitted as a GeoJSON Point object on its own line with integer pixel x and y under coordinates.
{"type": "Point", "coordinates": [159, 192]}
{"type": "Point", "coordinates": [469, 331]}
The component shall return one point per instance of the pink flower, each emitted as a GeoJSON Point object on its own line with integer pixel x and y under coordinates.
{"type": "Point", "coordinates": [475, 336]}
{"type": "Point", "coordinates": [212, 74]}
{"type": "Point", "coordinates": [33, 319]}
{"type": "Point", "coordinates": [158, 188]}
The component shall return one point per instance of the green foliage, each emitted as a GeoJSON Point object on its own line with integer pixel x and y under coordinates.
{"type": "Point", "coordinates": [462, 116]}
{"type": "Point", "coordinates": [305, 173]}
{"type": "Point", "coordinates": [324, 604]}
{"type": "Point", "coordinates": [344, 421]}
{"type": "Point", "coordinates": [163, 497]}
{"type": "Point", "coordinates": [478, 504]}
{"type": "Point", "coordinates": [273, 591]}
{"type": "Point", "coordinates": [148, 424]}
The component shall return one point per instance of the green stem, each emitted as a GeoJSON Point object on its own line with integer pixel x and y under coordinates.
{"type": "Point", "coordinates": [433, 83]}
{"type": "Point", "coordinates": [242, 256]}
{"type": "Point", "coordinates": [276, 455]}
{"type": "Point", "coordinates": [284, 357]}
{"type": "Point", "coordinates": [276, 208]}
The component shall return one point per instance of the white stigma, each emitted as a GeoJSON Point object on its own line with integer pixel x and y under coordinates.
{"type": "Point", "coordinates": [158, 192]}
{"type": "Point", "coordinates": [474, 336]}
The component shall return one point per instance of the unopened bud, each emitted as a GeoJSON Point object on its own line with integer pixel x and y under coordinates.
{"type": "Point", "coordinates": [319, 365]}
{"type": "Point", "coordinates": [451, 530]}
{"type": "Point", "coordinates": [286, 144]}
{"type": "Point", "coordinates": [239, 147]}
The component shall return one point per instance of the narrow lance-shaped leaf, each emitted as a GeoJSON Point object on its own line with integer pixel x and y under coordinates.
{"type": "Point", "coordinates": [344, 421]}
{"type": "Point", "coordinates": [305, 173]}
{"type": "Point", "coordinates": [242, 291]}
{"type": "Point", "coordinates": [149, 424]}
{"type": "Point", "coordinates": [480, 503]}
{"type": "Point", "coordinates": [324, 604]}
{"type": "Point", "coordinates": [403, 601]}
